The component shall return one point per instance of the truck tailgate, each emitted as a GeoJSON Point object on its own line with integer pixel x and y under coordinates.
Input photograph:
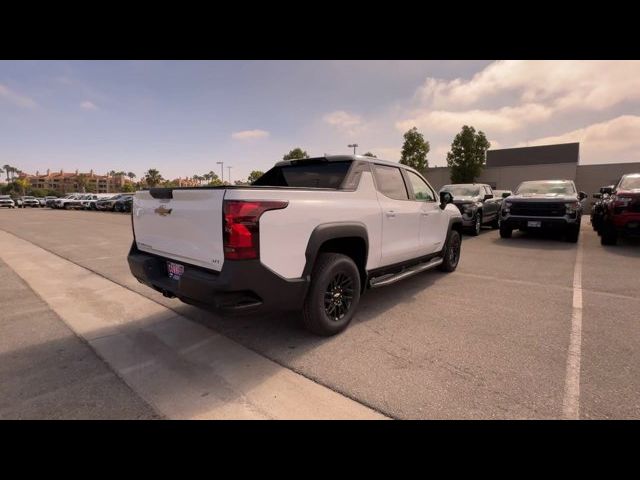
{"type": "Point", "coordinates": [186, 227]}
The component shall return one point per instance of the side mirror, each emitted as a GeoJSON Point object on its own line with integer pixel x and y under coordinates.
{"type": "Point", "coordinates": [582, 195]}
{"type": "Point", "coordinates": [488, 196]}
{"type": "Point", "coordinates": [505, 194]}
{"type": "Point", "coordinates": [597, 195]}
{"type": "Point", "coordinates": [445, 199]}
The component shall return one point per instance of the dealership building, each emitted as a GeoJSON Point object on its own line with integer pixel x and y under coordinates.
{"type": "Point", "coordinates": [507, 167]}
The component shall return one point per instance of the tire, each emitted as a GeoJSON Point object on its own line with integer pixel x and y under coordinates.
{"type": "Point", "coordinates": [608, 235]}
{"type": "Point", "coordinates": [572, 235]}
{"type": "Point", "coordinates": [66, 206]}
{"type": "Point", "coordinates": [117, 208]}
{"type": "Point", "coordinates": [505, 232]}
{"type": "Point", "coordinates": [477, 226]}
{"type": "Point", "coordinates": [336, 274]}
{"type": "Point", "coordinates": [451, 256]}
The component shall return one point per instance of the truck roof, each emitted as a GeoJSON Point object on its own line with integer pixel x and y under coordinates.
{"type": "Point", "coordinates": [345, 158]}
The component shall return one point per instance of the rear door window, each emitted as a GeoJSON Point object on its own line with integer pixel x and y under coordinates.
{"type": "Point", "coordinates": [389, 182]}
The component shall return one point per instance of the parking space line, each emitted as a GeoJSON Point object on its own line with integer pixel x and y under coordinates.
{"type": "Point", "coordinates": [571, 402]}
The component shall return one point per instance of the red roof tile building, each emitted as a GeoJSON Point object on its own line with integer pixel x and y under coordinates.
{"type": "Point", "coordinates": [63, 182]}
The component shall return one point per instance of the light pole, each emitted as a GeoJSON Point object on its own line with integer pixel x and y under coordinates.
{"type": "Point", "coordinates": [353, 145]}
{"type": "Point", "coordinates": [221, 170]}
{"type": "Point", "coordinates": [229, 170]}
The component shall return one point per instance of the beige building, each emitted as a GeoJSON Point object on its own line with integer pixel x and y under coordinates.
{"type": "Point", "coordinates": [63, 182]}
{"type": "Point", "coordinates": [506, 168]}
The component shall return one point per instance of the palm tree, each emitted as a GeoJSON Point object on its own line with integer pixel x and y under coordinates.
{"type": "Point", "coordinates": [131, 175]}
{"type": "Point", "coordinates": [7, 169]}
{"type": "Point", "coordinates": [152, 177]}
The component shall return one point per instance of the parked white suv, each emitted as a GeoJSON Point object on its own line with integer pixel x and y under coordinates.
{"type": "Point", "coordinates": [309, 235]}
{"type": "Point", "coordinates": [7, 201]}
{"type": "Point", "coordinates": [61, 202]}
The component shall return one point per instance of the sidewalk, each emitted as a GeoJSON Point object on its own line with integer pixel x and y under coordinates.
{"type": "Point", "coordinates": [181, 368]}
{"type": "Point", "coordinates": [46, 371]}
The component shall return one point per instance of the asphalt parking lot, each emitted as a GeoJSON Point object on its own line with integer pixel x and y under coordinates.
{"type": "Point", "coordinates": [491, 340]}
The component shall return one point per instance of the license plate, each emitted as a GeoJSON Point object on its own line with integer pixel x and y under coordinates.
{"type": "Point", "coordinates": [534, 224]}
{"type": "Point", "coordinates": [175, 270]}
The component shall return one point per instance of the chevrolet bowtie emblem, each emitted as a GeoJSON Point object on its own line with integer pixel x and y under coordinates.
{"type": "Point", "coordinates": [163, 212]}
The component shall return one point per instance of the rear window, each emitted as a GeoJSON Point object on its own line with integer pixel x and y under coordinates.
{"type": "Point", "coordinates": [306, 174]}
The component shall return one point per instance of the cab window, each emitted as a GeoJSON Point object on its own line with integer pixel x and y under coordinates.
{"type": "Point", "coordinates": [421, 191]}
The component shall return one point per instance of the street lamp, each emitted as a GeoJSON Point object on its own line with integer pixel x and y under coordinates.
{"type": "Point", "coordinates": [353, 145]}
{"type": "Point", "coordinates": [221, 170]}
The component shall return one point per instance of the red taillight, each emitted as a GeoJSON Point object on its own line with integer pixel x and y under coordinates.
{"type": "Point", "coordinates": [242, 227]}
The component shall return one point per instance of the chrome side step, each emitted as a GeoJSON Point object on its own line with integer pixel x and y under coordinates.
{"type": "Point", "coordinates": [395, 277]}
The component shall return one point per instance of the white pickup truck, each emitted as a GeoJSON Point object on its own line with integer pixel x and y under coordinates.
{"type": "Point", "coordinates": [309, 235]}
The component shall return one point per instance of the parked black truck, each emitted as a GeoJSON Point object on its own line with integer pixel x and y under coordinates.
{"type": "Point", "coordinates": [477, 203]}
{"type": "Point", "coordinates": [543, 205]}
{"type": "Point", "coordinates": [597, 208]}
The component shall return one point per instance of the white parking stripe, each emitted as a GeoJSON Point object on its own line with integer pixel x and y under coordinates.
{"type": "Point", "coordinates": [571, 402]}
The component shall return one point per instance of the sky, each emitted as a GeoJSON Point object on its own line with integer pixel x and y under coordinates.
{"type": "Point", "coordinates": [181, 117]}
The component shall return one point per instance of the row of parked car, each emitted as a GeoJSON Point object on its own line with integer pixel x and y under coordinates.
{"type": "Point", "coordinates": [551, 205]}
{"type": "Point", "coordinates": [539, 205]}
{"type": "Point", "coordinates": [79, 201]}
{"type": "Point", "coordinates": [616, 211]}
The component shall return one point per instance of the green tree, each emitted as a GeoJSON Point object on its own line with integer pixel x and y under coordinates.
{"type": "Point", "coordinates": [83, 181]}
{"type": "Point", "coordinates": [22, 184]}
{"type": "Point", "coordinates": [369, 154]}
{"type": "Point", "coordinates": [467, 155]}
{"type": "Point", "coordinates": [295, 154]}
{"type": "Point", "coordinates": [414, 150]}
{"type": "Point", "coordinates": [127, 188]}
{"type": "Point", "coordinates": [131, 175]}
{"type": "Point", "coordinates": [254, 175]}
{"type": "Point", "coordinates": [152, 177]}
{"type": "Point", "coordinates": [212, 179]}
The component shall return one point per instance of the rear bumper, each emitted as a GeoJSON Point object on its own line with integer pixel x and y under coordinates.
{"type": "Point", "coordinates": [243, 286]}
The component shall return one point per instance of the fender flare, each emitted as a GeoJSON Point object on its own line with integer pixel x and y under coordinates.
{"type": "Point", "coordinates": [331, 231]}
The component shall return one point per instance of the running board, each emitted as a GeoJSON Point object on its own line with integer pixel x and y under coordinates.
{"type": "Point", "coordinates": [395, 277]}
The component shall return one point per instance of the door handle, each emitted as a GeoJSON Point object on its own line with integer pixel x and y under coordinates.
{"type": "Point", "coordinates": [391, 213]}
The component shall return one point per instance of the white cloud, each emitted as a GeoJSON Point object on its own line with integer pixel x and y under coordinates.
{"type": "Point", "coordinates": [249, 134]}
{"type": "Point", "coordinates": [15, 98]}
{"type": "Point", "coordinates": [559, 84]}
{"type": "Point", "coordinates": [385, 153]}
{"type": "Point", "coordinates": [505, 119]}
{"type": "Point", "coordinates": [611, 141]}
{"type": "Point", "coordinates": [348, 123]}
{"type": "Point", "coordinates": [87, 105]}
{"type": "Point", "coordinates": [506, 99]}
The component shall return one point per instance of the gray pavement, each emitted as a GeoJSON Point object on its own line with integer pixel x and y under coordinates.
{"type": "Point", "coordinates": [487, 341]}
{"type": "Point", "coordinates": [47, 372]}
